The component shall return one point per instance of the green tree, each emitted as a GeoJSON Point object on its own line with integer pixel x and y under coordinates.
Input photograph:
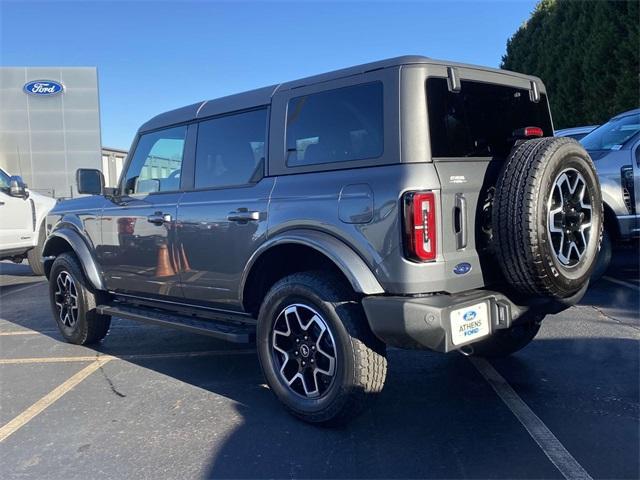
{"type": "Point", "coordinates": [586, 52]}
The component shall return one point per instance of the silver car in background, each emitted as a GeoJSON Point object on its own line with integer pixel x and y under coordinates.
{"type": "Point", "coordinates": [615, 150]}
{"type": "Point", "coordinates": [577, 133]}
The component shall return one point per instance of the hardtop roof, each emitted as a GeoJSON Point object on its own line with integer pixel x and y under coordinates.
{"type": "Point", "coordinates": [262, 96]}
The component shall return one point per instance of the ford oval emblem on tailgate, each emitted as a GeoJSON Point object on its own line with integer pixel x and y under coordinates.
{"type": "Point", "coordinates": [462, 268]}
{"type": "Point", "coordinates": [43, 87]}
{"type": "Point", "coordinates": [470, 315]}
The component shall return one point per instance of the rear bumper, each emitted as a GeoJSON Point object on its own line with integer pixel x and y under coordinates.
{"type": "Point", "coordinates": [425, 322]}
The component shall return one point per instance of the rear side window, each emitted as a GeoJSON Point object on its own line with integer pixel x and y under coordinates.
{"type": "Point", "coordinates": [335, 126]}
{"type": "Point", "coordinates": [479, 121]}
{"type": "Point", "coordinates": [157, 162]}
{"type": "Point", "coordinates": [230, 150]}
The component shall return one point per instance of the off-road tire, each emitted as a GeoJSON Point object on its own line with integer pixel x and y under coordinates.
{"type": "Point", "coordinates": [520, 215]}
{"type": "Point", "coordinates": [90, 326]}
{"type": "Point", "coordinates": [34, 256]}
{"type": "Point", "coordinates": [361, 365]}
{"type": "Point", "coordinates": [505, 342]}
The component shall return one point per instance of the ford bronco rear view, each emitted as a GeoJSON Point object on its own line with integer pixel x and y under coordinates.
{"type": "Point", "coordinates": [410, 202]}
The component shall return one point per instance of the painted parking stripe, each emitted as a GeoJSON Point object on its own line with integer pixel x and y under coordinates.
{"type": "Point", "coordinates": [19, 332]}
{"type": "Point", "coordinates": [50, 398]}
{"type": "Point", "coordinates": [140, 356]}
{"type": "Point", "coordinates": [622, 283]}
{"type": "Point", "coordinates": [546, 440]}
{"type": "Point", "coordinates": [26, 287]}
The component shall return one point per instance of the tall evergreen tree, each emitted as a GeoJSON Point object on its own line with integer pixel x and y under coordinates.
{"type": "Point", "coordinates": [586, 52]}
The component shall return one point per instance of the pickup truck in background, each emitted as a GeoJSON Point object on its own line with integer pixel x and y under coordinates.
{"type": "Point", "coordinates": [22, 229]}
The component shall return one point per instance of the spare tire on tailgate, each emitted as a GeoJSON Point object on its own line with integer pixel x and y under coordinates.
{"type": "Point", "coordinates": [547, 217]}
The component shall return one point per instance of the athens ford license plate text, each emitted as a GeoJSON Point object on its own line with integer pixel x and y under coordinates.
{"type": "Point", "coordinates": [469, 323]}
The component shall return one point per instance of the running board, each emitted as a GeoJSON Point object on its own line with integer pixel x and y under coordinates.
{"type": "Point", "coordinates": [223, 330]}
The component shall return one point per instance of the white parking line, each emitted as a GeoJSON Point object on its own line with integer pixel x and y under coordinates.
{"type": "Point", "coordinates": [546, 440]}
{"type": "Point", "coordinates": [622, 282]}
{"type": "Point", "coordinates": [26, 287]}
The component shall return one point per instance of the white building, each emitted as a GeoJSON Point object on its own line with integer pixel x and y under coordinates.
{"type": "Point", "coordinates": [112, 164]}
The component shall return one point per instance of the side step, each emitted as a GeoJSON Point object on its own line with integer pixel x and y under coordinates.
{"type": "Point", "coordinates": [222, 330]}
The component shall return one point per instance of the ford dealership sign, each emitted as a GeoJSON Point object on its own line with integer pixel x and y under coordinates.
{"type": "Point", "coordinates": [43, 87]}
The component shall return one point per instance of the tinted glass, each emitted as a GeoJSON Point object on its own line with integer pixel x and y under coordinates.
{"type": "Point", "coordinates": [4, 179]}
{"type": "Point", "coordinates": [576, 136]}
{"type": "Point", "coordinates": [335, 126]}
{"type": "Point", "coordinates": [230, 150]}
{"type": "Point", "coordinates": [480, 120]}
{"type": "Point", "coordinates": [613, 134]}
{"type": "Point", "coordinates": [157, 162]}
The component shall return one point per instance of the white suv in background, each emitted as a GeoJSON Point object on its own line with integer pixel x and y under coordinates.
{"type": "Point", "coordinates": [22, 222]}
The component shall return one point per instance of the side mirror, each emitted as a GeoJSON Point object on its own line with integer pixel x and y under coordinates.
{"type": "Point", "coordinates": [89, 181]}
{"type": "Point", "coordinates": [17, 187]}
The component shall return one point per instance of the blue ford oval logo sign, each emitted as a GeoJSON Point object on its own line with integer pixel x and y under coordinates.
{"type": "Point", "coordinates": [43, 87]}
{"type": "Point", "coordinates": [470, 315]}
{"type": "Point", "coordinates": [462, 268]}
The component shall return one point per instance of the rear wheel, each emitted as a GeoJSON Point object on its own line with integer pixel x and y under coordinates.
{"type": "Point", "coordinates": [73, 303]}
{"type": "Point", "coordinates": [316, 350]}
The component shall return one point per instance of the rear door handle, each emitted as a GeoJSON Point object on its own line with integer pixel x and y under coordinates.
{"type": "Point", "coordinates": [243, 215]}
{"type": "Point", "coordinates": [460, 221]}
{"type": "Point", "coordinates": [159, 218]}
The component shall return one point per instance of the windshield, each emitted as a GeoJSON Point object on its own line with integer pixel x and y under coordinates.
{"type": "Point", "coordinates": [613, 134]}
{"type": "Point", "coordinates": [4, 179]}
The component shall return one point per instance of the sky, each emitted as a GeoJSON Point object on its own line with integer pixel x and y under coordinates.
{"type": "Point", "coordinates": [155, 56]}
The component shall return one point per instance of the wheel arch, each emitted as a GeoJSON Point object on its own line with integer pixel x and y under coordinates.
{"type": "Point", "coordinates": [298, 250]}
{"type": "Point", "coordinates": [67, 239]}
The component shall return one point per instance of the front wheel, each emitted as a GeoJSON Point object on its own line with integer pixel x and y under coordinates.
{"type": "Point", "coordinates": [73, 303]}
{"type": "Point", "coordinates": [318, 355]}
{"type": "Point", "coordinates": [34, 256]}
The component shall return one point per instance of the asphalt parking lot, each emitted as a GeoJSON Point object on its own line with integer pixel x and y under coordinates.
{"type": "Point", "coordinates": [156, 403]}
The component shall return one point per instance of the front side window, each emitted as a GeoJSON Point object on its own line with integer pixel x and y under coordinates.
{"type": "Point", "coordinates": [335, 126]}
{"type": "Point", "coordinates": [480, 120]}
{"type": "Point", "coordinates": [613, 134]}
{"type": "Point", "coordinates": [157, 162]}
{"type": "Point", "coordinates": [230, 150]}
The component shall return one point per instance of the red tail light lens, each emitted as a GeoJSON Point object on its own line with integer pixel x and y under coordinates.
{"type": "Point", "coordinates": [420, 226]}
{"type": "Point", "coordinates": [528, 132]}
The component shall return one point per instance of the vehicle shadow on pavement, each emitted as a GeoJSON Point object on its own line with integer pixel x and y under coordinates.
{"type": "Point", "coordinates": [437, 418]}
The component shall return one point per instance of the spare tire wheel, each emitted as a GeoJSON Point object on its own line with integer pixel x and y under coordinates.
{"type": "Point", "coordinates": [547, 217]}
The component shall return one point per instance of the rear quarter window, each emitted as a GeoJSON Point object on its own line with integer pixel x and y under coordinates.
{"type": "Point", "coordinates": [479, 121]}
{"type": "Point", "coordinates": [335, 125]}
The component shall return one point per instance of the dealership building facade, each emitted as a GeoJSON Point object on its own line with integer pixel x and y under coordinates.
{"type": "Point", "coordinates": [49, 125]}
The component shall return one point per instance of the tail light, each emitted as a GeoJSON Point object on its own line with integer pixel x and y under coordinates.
{"type": "Point", "coordinates": [528, 132]}
{"type": "Point", "coordinates": [420, 226]}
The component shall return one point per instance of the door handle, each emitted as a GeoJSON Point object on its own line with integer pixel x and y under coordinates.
{"type": "Point", "coordinates": [243, 215]}
{"type": "Point", "coordinates": [1, 203]}
{"type": "Point", "coordinates": [460, 221]}
{"type": "Point", "coordinates": [159, 218]}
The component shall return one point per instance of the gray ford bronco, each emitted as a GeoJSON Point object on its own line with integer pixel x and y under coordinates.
{"type": "Point", "coordinates": [409, 202]}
